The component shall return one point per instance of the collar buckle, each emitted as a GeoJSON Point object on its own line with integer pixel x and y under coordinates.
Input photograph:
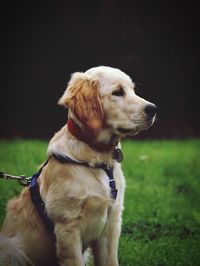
{"type": "Point", "coordinates": [117, 155]}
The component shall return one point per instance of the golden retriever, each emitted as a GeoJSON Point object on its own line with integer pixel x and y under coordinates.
{"type": "Point", "coordinates": [102, 108]}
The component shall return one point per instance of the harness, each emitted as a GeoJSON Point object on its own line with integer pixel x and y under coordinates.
{"type": "Point", "coordinates": [34, 186]}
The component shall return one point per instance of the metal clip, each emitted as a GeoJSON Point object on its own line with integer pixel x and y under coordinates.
{"type": "Point", "coordinates": [22, 179]}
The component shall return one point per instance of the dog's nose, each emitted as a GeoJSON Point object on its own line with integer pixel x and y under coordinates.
{"type": "Point", "coordinates": [150, 110]}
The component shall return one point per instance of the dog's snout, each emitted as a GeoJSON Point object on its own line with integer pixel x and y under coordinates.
{"type": "Point", "coordinates": [150, 110]}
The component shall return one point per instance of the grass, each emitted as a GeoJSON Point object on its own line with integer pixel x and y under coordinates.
{"type": "Point", "coordinates": [161, 221]}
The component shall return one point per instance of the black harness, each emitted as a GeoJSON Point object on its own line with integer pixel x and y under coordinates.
{"type": "Point", "coordinates": [37, 200]}
{"type": "Point", "coordinates": [35, 193]}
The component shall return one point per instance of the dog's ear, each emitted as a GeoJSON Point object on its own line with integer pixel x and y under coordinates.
{"type": "Point", "coordinates": [82, 98]}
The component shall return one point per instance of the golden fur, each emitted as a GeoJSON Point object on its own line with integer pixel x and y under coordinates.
{"type": "Point", "coordinates": [77, 198]}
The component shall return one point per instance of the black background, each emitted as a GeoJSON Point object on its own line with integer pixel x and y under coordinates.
{"type": "Point", "coordinates": [155, 42]}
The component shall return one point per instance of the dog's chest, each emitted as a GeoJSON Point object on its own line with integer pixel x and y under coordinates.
{"type": "Point", "coordinates": [97, 207]}
{"type": "Point", "coordinates": [96, 217]}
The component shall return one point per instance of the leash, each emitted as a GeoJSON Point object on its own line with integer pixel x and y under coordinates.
{"type": "Point", "coordinates": [22, 179]}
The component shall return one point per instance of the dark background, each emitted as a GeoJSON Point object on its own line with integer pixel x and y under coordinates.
{"type": "Point", "coordinates": [155, 42]}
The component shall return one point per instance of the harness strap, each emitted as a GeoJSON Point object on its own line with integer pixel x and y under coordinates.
{"type": "Point", "coordinates": [109, 172]}
{"type": "Point", "coordinates": [37, 200]}
{"type": "Point", "coordinates": [106, 168]}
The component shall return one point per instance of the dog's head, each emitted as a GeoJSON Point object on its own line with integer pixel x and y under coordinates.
{"type": "Point", "coordinates": [104, 97]}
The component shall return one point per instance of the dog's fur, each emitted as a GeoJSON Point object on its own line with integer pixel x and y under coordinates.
{"type": "Point", "coordinates": [77, 198]}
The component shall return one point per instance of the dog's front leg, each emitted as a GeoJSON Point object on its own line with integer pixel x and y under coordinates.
{"type": "Point", "coordinates": [105, 248]}
{"type": "Point", "coordinates": [68, 245]}
{"type": "Point", "coordinates": [105, 251]}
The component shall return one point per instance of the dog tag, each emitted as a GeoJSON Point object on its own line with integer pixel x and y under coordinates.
{"type": "Point", "coordinates": [118, 155]}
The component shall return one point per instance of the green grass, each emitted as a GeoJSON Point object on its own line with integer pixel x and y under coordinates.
{"type": "Point", "coordinates": [161, 221]}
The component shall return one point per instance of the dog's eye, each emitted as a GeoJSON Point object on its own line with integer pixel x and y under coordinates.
{"type": "Point", "coordinates": [118, 92]}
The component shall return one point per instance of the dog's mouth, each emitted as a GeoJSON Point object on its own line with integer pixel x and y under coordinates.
{"type": "Point", "coordinates": [141, 125]}
{"type": "Point", "coordinates": [124, 130]}
{"type": "Point", "coordinates": [127, 131]}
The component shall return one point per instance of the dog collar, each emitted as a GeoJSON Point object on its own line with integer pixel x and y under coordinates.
{"type": "Point", "coordinates": [89, 137]}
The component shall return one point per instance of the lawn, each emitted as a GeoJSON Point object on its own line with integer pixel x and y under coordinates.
{"type": "Point", "coordinates": [161, 221]}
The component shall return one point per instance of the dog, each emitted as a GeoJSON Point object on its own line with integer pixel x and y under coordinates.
{"type": "Point", "coordinates": [83, 196]}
